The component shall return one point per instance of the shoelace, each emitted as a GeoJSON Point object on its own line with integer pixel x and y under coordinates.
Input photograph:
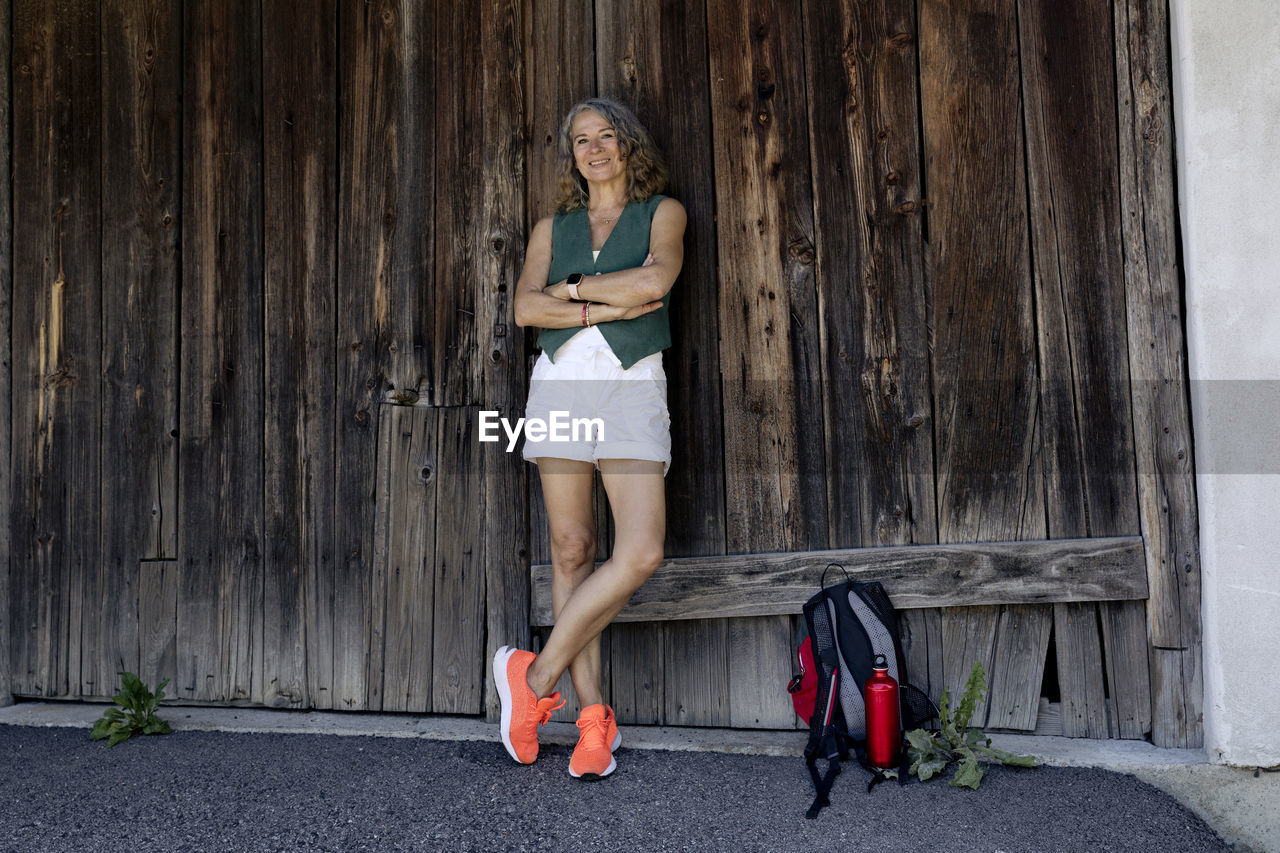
{"type": "Point", "coordinates": [548, 706]}
{"type": "Point", "coordinates": [597, 726]}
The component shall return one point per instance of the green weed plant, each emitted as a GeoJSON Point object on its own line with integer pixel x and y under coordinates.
{"type": "Point", "coordinates": [955, 742]}
{"type": "Point", "coordinates": [136, 714]}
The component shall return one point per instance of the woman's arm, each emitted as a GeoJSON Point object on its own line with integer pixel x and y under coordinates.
{"type": "Point", "coordinates": [639, 285]}
{"type": "Point", "coordinates": [535, 307]}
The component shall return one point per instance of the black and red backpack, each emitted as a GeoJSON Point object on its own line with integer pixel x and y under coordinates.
{"type": "Point", "coordinates": [845, 627]}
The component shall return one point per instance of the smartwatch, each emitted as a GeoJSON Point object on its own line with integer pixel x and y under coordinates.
{"type": "Point", "coordinates": [573, 281]}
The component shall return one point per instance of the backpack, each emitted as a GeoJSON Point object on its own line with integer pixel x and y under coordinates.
{"type": "Point", "coordinates": [847, 625]}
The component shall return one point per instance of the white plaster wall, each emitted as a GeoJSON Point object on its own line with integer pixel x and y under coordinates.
{"type": "Point", "coordinates": [1226, 76]}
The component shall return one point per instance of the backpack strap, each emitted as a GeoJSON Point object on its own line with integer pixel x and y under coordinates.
{"type": "Point", "coordinates": [821, 784]}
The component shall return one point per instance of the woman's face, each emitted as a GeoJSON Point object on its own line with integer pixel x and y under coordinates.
{"type": "Point", "coordinates": [594, 143]}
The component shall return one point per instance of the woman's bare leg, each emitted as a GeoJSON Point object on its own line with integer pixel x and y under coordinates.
{"type": "Point", "coordinates": [567, 490]}
{"type": "Point", "coordinates": [637, 498]}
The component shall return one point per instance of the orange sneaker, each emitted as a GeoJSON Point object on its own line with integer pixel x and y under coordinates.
{"type": "Point", "coordinates": [598, 737]}
{"type": "Point", "coordinates": [522, 710]}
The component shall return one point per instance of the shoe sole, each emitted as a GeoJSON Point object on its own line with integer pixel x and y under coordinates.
{"type": "Point", "coordinates": [613, 764]}
{"type": "Point", "coordinates": [500, 658]}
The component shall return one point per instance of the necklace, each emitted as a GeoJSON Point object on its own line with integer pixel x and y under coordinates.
{"type": "Point", "coordinates": [599, 218]}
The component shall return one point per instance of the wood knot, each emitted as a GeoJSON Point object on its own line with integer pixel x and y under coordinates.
{"type": "Point", "coordinates": [405, 397]}
{"type": "Point", "coordinates": [60, 378]}
{"type": "Point", "coordinates": [801, 250]}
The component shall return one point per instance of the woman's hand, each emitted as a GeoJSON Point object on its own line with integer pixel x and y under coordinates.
{"type": "Point", "coordinates": [560, 290]}
{"type": "Point", "coordinates": [602, 313]}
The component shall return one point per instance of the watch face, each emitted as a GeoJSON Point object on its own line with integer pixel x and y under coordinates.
{"type": "Point", "coordinates": [574, 278]}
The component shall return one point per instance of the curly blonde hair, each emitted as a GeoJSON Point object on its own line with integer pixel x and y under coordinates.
{"type": "Point", "coordinates": [646, 168]}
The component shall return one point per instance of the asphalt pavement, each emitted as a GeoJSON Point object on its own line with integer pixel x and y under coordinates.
{"type": "Point", "coordinates": [227, 791]}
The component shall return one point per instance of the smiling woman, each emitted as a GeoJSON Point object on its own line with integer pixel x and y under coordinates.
{"type": "Point", "coordinates": [596, 280]}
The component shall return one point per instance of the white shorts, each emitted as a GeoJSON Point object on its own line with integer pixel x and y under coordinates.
{"type": "Point", "coordinates": [603, 411]}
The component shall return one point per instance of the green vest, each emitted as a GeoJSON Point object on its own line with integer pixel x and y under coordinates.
{"type": "Point", "coordinates": [627, 247]}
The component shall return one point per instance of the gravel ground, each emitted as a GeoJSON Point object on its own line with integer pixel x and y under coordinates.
{"type": "Point", "coordinates": [189, 791]}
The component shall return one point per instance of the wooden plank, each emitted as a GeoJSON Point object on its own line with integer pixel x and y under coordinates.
{"type": "Point", "coordinates": [690, 700]}
{"type": "Point", "coordinates": [1069, 87]}
{"type": "Point", "coordinates": [770, 357]}
{"type": "Point", "coordinates": [158, 584]}
{"type": "Point", "coordinates": [654, 58]}
{"type": "Point", "coordinates": [554, 30]}
{"type": "Point", "coordinates": [984, 368]}
{"type": "Point", "coordinates": [57, 346]}
{"type": "Point", "coordinates": [390, 439]}
{"type": "Point", "coordinates": [1030, 572]}
{"type": "Point", "coordinates": [1128, 670]}
{"type": "Point", "coordinates": [684, 678]}
{"type": "Point", "coordinates": [1048, 720]}
{"type": "Point", "coordinates": [221, 399]}
{"type": "Point", "coordinates": [1017, 666]}
{"type": "Point", "coordinates": [969, 636]}
{"type": "Point", "coordinates": [6, 359]}
{"type": "Point", "coordinates": [140, 154]}
{"type": "Point", "coordinates": [920, 631]}
{"type": "Point", "coordinates": [299, 187]}
{"type": "Point", "coordinates": [458, 659]}
{"type": "Point", "coordinates": [404, 590]}
{"type": "Point", "coordinates": [1079, 651]}
{"type": "Point", "coordinates": [505, 546]}
{"type": "Point", "coordinates": [1157, 359]}
{"type": "Point", "coordinates": [1086, 432]}
{"type": "Point", "coordinates": [862, 100]}
{"type": "Point", "coordinates": [460, 166]}
{"type": "Point", "coordinates": [384, 271]}
{"type": "Point", "coordinates": [638, 686]}
{"type": "Point", "coordinates": [760, 655]}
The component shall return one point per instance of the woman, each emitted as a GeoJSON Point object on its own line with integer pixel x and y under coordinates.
{"type": "Point", "coordinates": [596, 280]}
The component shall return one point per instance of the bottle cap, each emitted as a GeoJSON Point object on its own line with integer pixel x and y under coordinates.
{"type": "Point", "coordinates": [880, 662]}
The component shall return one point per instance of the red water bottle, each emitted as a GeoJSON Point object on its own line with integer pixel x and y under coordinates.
{"type": "Point", "coordinates": [884, 716]}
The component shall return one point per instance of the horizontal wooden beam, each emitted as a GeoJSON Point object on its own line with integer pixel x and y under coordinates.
{"type": "Point", "coordinates": [1034, 572]}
